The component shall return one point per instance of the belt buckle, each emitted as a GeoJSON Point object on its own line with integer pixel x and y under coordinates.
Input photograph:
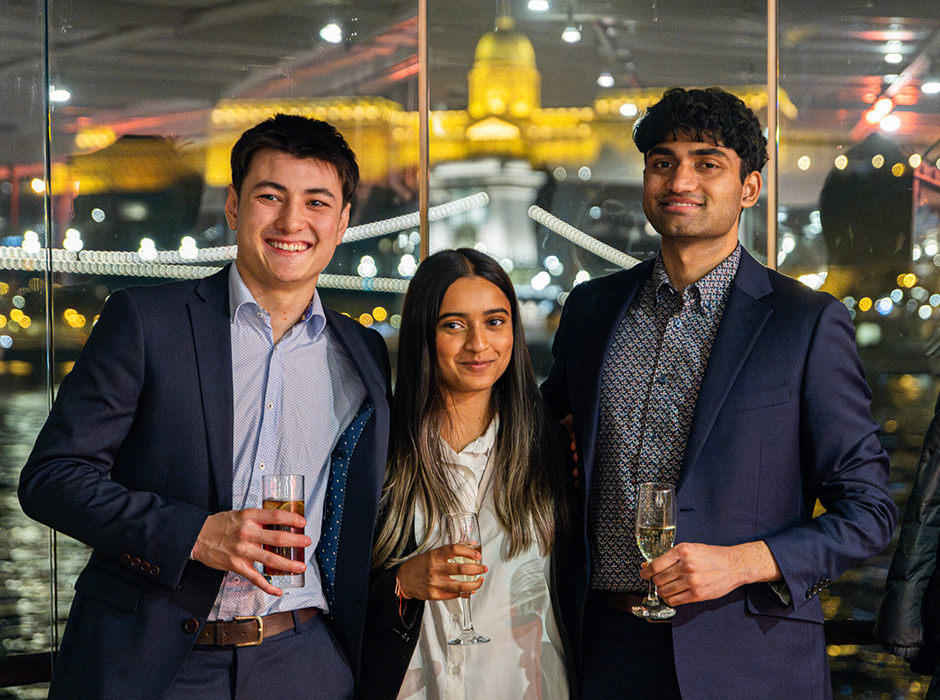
{"type": "Point", "coordinates": [256, 618]}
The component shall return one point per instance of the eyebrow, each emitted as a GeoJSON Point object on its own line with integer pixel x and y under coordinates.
{"type": "Point", "coordinates": [319, 191]}
{"type": "Point", "coordinates": [698, 152]}
{"type": "Point", "coordinates": [459, 314]}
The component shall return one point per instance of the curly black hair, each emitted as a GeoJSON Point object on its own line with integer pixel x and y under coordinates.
{"type": "Point", "coordinates": [712, 114]}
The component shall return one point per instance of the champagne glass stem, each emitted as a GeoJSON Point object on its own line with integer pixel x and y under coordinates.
{"type": "Point", "coordinates": [653, 598]}
{"type": "Point", "coordinates": [467, 621]}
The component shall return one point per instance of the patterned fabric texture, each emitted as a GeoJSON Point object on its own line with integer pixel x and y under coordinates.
{"type": "Point", "coordinates": [335, 496]}
{"type": "Point", "coordinates": [649, 386]}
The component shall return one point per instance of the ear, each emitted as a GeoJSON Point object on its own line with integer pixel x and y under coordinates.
{"type": "Point", "coordinates": [750, 189]}
{"type": "Point", "coordinates": [343, 224]}
{"type": "Point", "coordinates": [231, 208]}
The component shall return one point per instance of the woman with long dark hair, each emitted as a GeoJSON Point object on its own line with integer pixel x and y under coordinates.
{"type": "Point", "coordinates": [469, 433]}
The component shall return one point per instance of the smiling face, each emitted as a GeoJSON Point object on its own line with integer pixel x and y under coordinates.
{"type": "Point", "coordinates": [692, 190]}
{"type": "Point", "coordinates": [289, 218]}
{"type": "Point", "coordinates": [473, 339]}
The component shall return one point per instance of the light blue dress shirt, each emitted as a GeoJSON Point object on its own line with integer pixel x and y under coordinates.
{"type": "Point", "coordinates": [293, 400]}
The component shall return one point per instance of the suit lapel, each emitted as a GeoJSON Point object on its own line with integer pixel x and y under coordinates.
{"type": "Point", "coordinates": [741, 323]}
{"type": "Point", "coordinates": [593, 334]}
{"type": "Point", "coordinates": [359, 353]}
{"type": "Point", "coordinates": [212, 337]}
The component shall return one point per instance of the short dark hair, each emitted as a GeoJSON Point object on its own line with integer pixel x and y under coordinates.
{"type": "Point", "coordinates": [712, 114]}
{"type": "Point", "coordinates": [301, 137]}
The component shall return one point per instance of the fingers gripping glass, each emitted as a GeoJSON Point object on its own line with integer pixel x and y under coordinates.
{"type": "Point", "coordinates": [463, 528]}
{"type": "Point", "coordinates": [655, 534]}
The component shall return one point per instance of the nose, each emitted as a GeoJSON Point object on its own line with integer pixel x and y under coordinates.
{"type": "Point", "coordinates": [683, 178]}
{"type": "Point", "coordinates": [290, 218]}
{"type": "Point", "coordinates": [476, 339]}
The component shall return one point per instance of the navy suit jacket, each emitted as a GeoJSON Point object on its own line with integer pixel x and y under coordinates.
{"type": "Point", "coordinates": [137, 453]}
{"type": "Point", "coordinates": [782, 418]}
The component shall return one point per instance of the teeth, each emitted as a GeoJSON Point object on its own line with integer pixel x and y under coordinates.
{"type": "Point", "coordinates": [290, 247]}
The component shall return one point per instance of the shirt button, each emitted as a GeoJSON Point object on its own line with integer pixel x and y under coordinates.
{"type": "Point", "coordinates": [270, 406]}
{"type": "Point", "coordinates": [454, 617]}
{"type": "Point", "coordinates": [455, 670]}
{"type": "Point", "coordinates": [661, 379]}
{"type": "Point", "coordinates": [678, 323]}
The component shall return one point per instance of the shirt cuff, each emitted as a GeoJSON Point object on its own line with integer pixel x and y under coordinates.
{"type": "Point", "coordinates": [782, 591]}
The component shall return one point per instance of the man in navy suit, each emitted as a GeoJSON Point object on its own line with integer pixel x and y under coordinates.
{"type": "Point", "coordinates": [743, 388]}
{"type": "Point", "coordinates": [185, 395]}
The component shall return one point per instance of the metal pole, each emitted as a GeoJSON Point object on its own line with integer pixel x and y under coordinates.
{"type": "Point", "coordinates": [424, 160]}
{"type": "Point", "coordinates": [773, 102]}
{"type": "Point", "coordinates": [49, 221]}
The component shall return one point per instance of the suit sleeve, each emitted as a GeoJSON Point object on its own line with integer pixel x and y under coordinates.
{"type": "Point", "coordinates": [843, 465]}
{"type": "Point", "coordinates": [65, 483]}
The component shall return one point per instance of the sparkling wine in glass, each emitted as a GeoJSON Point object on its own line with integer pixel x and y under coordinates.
{"type": "Point", "coordinates": [464, 528]}
{"type": "Point", "coordinates": [655, 534]}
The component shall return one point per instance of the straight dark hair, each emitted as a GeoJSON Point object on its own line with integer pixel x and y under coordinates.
{"type": "Point", "coordinates": [301, 137]}
{"type": "Point", "coordinates": [528, 463]}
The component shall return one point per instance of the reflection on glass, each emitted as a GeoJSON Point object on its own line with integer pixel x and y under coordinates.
{"type": "Point", "coordinates": [139, 172]}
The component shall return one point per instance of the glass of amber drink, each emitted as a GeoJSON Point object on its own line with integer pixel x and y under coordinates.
{"type": "Point", "coordinates": [284, 492]}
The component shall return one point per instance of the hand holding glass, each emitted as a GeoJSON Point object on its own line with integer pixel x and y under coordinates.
{"type": "Point", "coordinates": [284, 492]}
{"type": "Point", "coordinates": [463, 528]}
{"type": "Point", "coordinates": [655, 534]}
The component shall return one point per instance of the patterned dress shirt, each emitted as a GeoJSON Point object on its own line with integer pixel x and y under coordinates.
{"type": "Point", "coordinates": [649, 387]}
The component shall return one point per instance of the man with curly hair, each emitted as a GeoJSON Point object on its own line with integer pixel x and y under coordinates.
{"type": "Point", "coordinates": [743, 389]}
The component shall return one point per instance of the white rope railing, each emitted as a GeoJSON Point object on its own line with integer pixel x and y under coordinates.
{"type": "Point", "coordinates": [171, 264]}
{"type": "Point", "coordinates": [578, 237]}
{"type": "Point", "coordinates": [400, 223]}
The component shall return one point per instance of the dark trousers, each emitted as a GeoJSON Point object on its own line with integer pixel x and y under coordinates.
{"type": "Point", "coordinates": [306, 662]}
{"type": "Point", "coordinates": [624, 656]}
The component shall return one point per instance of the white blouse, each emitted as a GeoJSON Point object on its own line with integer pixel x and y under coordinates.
{"type": "Point", "coordinates": [524, 659]}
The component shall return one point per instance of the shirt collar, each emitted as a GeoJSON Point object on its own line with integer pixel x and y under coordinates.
{"type": "Point", "coordinates": [239, 295]}
{"type": "Point", "coordinates": [710, 292]}
{"type": "Point", "coordinates": [474, 456]}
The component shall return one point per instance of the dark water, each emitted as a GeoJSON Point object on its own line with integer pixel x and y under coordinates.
{"type": "Point", "coordinates": [25, 594]}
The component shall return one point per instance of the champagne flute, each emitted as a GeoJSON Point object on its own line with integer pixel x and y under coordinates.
{"type": "Point", "coordinates": [655, 534]}
{"type": "Point", "coordinates": [464, 528]}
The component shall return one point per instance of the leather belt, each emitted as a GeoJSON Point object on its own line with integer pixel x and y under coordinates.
{"type": "Point", "coordinates": [250, 631]}
{"type": "Point", "coordinates": [622, 600]}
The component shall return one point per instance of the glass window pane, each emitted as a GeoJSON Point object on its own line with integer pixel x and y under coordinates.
{"type": "Point", "coordinates": [858, 218]}
{"type": "Point", "coordinates": [533, 104]}
{"type": "Point", "coordinates": [25, 616]}
{"type": "Point", "coordinates": [149, 98]}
